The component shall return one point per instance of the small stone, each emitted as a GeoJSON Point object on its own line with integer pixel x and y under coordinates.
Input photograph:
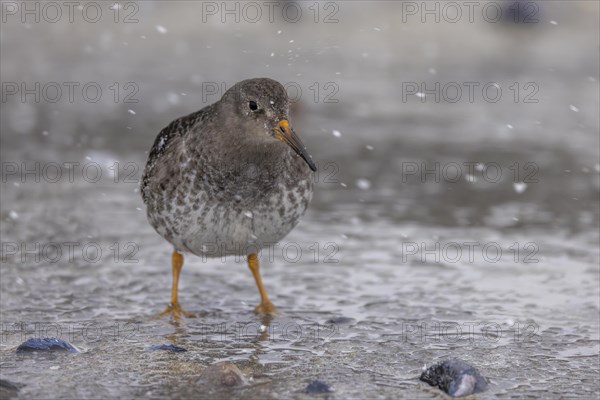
{"type": "Point", "coordinates": [455, 377]}
{"type": "Point", "coordinates": [224, 374]}
{"type": "Point", "coordinates": [167, 347]}
{"type": "Point", "coordinates": [317, 386]}
{"type": "Point", "coordinates": [46, 344]}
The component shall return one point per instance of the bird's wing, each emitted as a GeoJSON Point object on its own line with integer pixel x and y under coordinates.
{"type": "Point", "coordinates": [177, 128]}
{"type": "Point", "coordinates": [167, 140]}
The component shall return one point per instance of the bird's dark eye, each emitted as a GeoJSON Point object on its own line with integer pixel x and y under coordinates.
{"type": "Point", "coordinates": [253, 106]}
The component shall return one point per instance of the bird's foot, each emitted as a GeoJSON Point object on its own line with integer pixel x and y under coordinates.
{"type": "Point", "coordinates": [265, 308]}
{"type": "Point", "coordinates": [175, 311]}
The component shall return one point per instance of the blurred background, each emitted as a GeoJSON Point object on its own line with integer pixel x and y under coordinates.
{"type": "Point", "coordinates": [433, 123]}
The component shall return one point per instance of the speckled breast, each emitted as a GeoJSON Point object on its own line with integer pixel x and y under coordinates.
{"type": "Point", "coordinates": [232, 220]}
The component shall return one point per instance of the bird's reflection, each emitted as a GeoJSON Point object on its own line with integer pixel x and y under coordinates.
{"type": "Point", "coordinates": [178, 333]}
{"type": "Point", "coordinates": [256, 332]}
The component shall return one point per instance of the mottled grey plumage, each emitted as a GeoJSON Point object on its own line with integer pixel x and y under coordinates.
{"type": "Point", "coordinates": [221, 181]}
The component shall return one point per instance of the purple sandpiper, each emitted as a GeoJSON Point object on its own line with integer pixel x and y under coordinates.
{"type": "Point", "coordinates": [228, 180]}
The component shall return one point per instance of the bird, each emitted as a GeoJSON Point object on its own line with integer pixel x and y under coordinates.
{"type": "Point", "coordinates": [228, 180]}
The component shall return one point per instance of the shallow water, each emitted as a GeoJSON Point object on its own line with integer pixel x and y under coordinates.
{"type": "Point", "coordinates": [390, 270]}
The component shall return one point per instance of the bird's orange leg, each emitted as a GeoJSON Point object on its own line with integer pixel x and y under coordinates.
{"type": "Point", "coordinates": [265, 306]}
{"type": "Point", "coordinates": [174, 309]}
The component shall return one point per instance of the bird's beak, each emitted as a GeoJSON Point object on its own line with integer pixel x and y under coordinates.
{"type": "Point", "coordinates": [285, 133]}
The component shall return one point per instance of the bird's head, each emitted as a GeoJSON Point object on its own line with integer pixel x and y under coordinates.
{"type": "Point", "coordinates": [260, 107]}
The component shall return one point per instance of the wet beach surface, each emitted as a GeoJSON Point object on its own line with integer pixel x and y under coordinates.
{"type": "Point", "coordinates": [386, 272]}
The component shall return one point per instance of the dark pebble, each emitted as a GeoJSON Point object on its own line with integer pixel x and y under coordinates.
{"type": "Point", "coordinates": [168, 347]}
{"type": "Point", "coordinates": [339, 320]}
{"type": "Point", "coordinates": [9, 389]}
{"type": "Point", "coordinates": [222, 374]}
{"type": "Point", "coordinates": [46, 344]}
{"type": "Point", "coordinates": [455, 377]}
{"type": "Point", "coordinates": [317, 387]}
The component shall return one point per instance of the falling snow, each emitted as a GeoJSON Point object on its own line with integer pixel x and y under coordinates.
{"type": "Point", "coordinates": [363, 183]}
{"type": "Point", "coordinates": [519, 187]}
